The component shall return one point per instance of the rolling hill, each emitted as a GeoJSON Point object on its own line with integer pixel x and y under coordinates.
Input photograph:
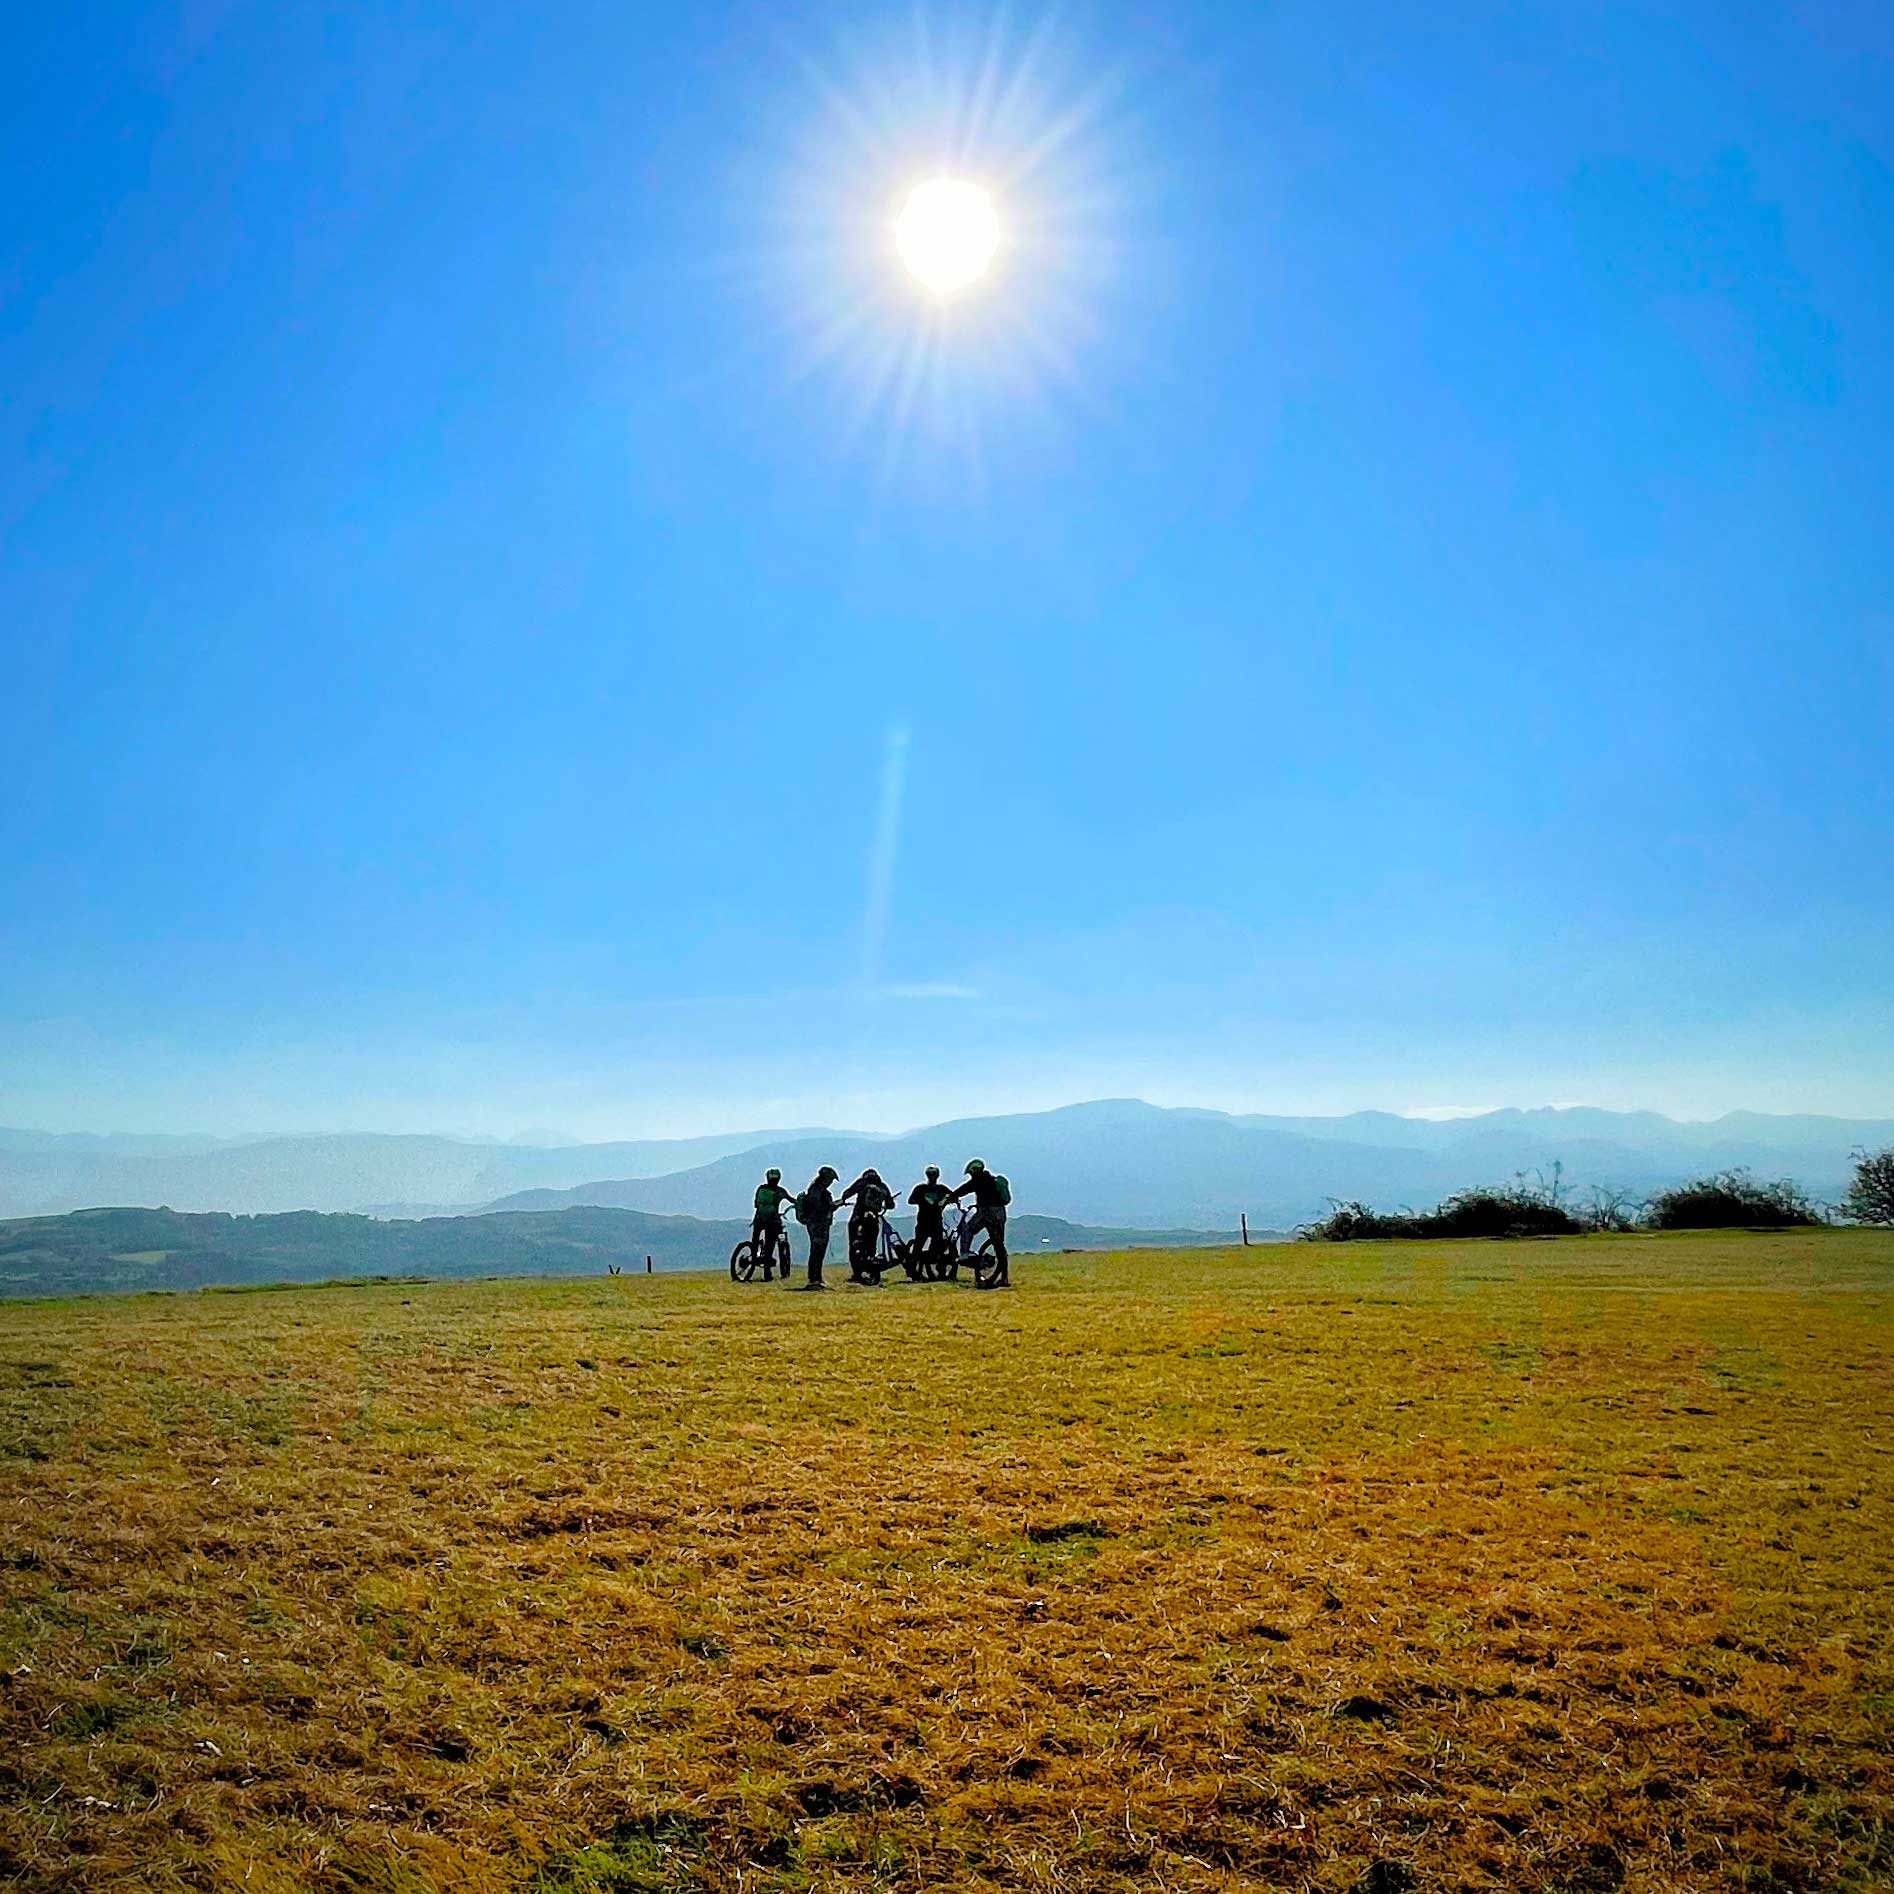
{"type": "Point", "coordinates": [124, 1251]}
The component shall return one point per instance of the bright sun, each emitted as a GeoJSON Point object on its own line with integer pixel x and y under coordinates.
{"type": "Point", "coordinates": [947, 233]}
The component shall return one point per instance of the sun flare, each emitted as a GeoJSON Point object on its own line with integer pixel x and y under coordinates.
{"type": "Point", "coordinates": [956, 194]}
{"type": "Point", "coordinates": [947, 234]}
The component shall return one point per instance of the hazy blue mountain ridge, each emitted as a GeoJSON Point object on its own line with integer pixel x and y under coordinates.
{"type": "Point", "coordinates": [1123, 1162]}
{"type": "Point", "coordinates": [43, 1175]}
{"type": "Point", "coordinates": [1110, 1161]}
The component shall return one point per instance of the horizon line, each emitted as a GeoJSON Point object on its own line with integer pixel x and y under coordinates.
{"type": "Point", "coordinates": [1417, 1115]}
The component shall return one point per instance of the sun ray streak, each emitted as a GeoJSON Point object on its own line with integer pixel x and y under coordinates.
{"type": "Point", "coordinates": [882, 854]}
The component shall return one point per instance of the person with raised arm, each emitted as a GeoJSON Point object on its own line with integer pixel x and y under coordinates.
{"type": "Point", "coordinates": [991, 1196]}
{"type": "Point", "coordinates": [872, 1200]}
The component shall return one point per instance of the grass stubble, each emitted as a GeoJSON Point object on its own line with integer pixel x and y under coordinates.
{"type": "Point", "coordinates": [1555, 1565]}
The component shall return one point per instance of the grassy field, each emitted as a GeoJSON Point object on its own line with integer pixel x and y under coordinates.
{"type": "Point", "coordinates": [1529, 1566]}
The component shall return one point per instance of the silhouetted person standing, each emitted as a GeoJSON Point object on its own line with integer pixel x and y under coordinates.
{"type": "Point", "coordinates": [930, 1200]}
{"type": "Point", "coordinates": [815, 1208]}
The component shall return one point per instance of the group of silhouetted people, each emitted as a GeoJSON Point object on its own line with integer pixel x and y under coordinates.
{"type": "Point", "coordinates": [869, 1200]}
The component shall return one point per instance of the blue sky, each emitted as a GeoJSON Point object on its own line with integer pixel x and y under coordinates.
{"type": "Point", "coordinates": [515, 612]}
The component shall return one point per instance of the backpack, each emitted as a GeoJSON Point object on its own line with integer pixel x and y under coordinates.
{"type": "Point", "coordinates": [801, 1198]}
{"type": "Point", "coordinates": [1003, 1187]}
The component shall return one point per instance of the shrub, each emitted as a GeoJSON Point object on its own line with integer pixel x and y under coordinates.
{"type": "Point", "coordinates": [1515, 1210]}
{"type": "Point", "coordinates": [1519, 1211]}
{"type": "Point", "coordinates": [1537, 1207]}
{"type": "Point", "coordinates": [1610, 1212]}
{"type": "Point", "coordinates": [1355, 1222]}
{"type": "Point", "coordinates": [1732, 1200]}
{"type": "Point", "coordinates": [1870, 1197]}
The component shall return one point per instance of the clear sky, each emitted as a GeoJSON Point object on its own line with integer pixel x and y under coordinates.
{"type": "Point", "coordinates": [516, 611]}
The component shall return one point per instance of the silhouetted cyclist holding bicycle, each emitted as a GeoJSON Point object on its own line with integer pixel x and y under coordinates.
{"type": "Point", "coordinates": [873, 1200]}
{"type": "Point", "coordinates": [991, 1195]}
{"type": "Point", "coordinates": [768, 1238]}
{"type": "Point", "coordinates": [930, 1201]}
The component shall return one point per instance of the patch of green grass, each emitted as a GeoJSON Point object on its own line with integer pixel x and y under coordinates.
{"type": "Point", "coordinates": [80, 1722]}
{"type": "Point", "coordinates": [653, 1855]}
{"type": "Point", "coordinates": [1741, 1370]}
{"type": "Point", "coordinates": [607, 1867]}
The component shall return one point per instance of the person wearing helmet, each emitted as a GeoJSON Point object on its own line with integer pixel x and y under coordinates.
{"type": "Point", "coordinates": [766, 1224]}
{"type": "Point", "coordinates": [872, 1200]}
{"type": "Point", "coordinates": [815, 1211]}
{"type": "Point", "coordinates": [930, 1200]}
{"type": "Point", "coordinates": [991, 1195]}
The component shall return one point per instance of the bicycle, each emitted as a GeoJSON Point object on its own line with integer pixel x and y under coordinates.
{"type": "Point", "coordinates": [974, 1248]}
{"type": "Point", "coordinates": [934, 1258]}
{"type": "Point", "coordinates": [939, 1259]}
{"type": "Point", "coordinates": [920, 1260]}
{"type": "Point", "coordinates": [746, 1265]}
{"type": "Point", "coordinates": [883, 1251]}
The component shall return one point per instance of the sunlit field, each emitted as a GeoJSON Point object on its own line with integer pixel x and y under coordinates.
{"type": "Point", "coordinates": [1533, 1565]}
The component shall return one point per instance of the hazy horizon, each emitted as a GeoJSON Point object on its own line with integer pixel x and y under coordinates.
{"type": "Point", "coordinates": [549, 1137]}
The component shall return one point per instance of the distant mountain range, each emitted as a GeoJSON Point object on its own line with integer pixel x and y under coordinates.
{"type": "Point", "coordinates": [114, 1251]}
{"type": "Point", "coordinates": [1128, 1163]}
{"type": "Point", "coordinates": [1114, 1162]}
{"type": "Point", "coordinates": [44, 1173]}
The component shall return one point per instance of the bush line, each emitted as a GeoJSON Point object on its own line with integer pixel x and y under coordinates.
{"type": "Point", "coordinates": [1542, 1205]}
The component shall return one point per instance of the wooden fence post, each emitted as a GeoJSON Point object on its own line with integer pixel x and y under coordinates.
{"type": "Point", "coordinates": [1243, 1218]}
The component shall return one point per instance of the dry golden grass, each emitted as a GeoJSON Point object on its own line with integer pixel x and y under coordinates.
{"type": "Point", "coordinates": [1543, 1565]}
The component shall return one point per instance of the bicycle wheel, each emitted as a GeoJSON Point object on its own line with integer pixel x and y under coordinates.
{"type": "Point", "coordinates": [892, 1253]}
{"type": "Point", "coordinates": [743, 1262]}
{"type": "Point", "coordinates": [986, 1265]}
